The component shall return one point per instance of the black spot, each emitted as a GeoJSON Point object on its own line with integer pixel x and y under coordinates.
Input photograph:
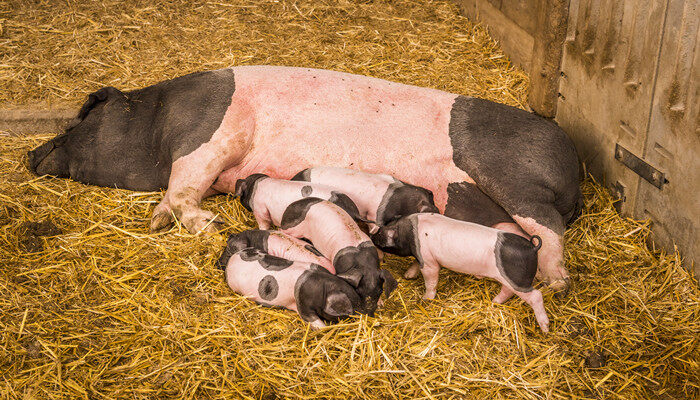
{"type": "Point", "coordinates": [269, 262]}
{"type": "Point", "coordinates": [296, 212]}
{"type": "Point", "coordinates": [268, 288]}
{"type": "Point", "coordinates": [516, 259]}
{"type": "Point", "coordinates": [273, 263]}
{"type": "Point", "coordinates": [306, 191]}
{"type": "Point", "coordinates": [250, 254]}
{"type": "Point", "coordinates": [313, 250]}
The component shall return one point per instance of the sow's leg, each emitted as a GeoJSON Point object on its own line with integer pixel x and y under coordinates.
{"type": "Point", "coordinates": [527, 165]}
{"type": "Point", "coordinates": [467, 202]}
{"type": "Point", "coordinates": [192, 175]}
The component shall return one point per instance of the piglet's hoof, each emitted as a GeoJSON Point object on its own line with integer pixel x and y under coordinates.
{"type": "Point", "coordinates": [161, 221]}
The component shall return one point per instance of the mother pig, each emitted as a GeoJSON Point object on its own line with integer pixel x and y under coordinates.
{"type": "Point", "coordinates": [196, 135]}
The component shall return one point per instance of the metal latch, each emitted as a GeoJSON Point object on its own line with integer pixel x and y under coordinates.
{"type": "Point", "coordinates": [640, 167]}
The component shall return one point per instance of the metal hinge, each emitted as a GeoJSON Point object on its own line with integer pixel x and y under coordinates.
{"type": "Point", "coordinates": [640, 167]}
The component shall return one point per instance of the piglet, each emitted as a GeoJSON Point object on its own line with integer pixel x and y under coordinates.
{"type": "Point", "coordinates": [274, 243]}
{"type": "Point", "coordinates": [309, 289]}
{"type": "Point", "coordinates": [267, 197]}
{"type": "Point", "coordinates": [379, 197]}
{"type": "Point", "coordinates": [334, 233]}
{"type": "Point", "coordinates": [435, 240]}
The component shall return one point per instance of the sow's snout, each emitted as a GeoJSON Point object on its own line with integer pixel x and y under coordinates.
{"type": "Point", "coordinates": [46, 160]}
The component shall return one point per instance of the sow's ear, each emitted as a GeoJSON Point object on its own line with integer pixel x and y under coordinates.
{"type": "Point", "coordinates": [93, 100]}
{"type": "Point", "coordinates": [338, 305]}
{"type": "Point", "coordinates": [390, 283]}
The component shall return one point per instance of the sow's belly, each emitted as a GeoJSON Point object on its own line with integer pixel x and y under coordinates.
{"type": "Point", "coordinates": [307, 117]}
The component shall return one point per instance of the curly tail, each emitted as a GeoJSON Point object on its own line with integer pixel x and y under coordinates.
{"type": "Point", "coordinates": [539, 242]}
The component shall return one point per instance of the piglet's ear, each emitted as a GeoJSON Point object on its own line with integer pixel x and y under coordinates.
{"type": "Point", "coordinates": [338, 305]}
{"type": "Point", "coordinates": [352, 276]}
{"type": "Point", "coordinates": [241, 186]}
{"type": "Point", "coordinates": [390, 283]}
{"type": "Point", "coordinates": [391, 237]}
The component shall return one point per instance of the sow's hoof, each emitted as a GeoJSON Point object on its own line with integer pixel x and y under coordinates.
{"type": "Point", "coordinates": [195, 221]}
{"type": "Point", "coordinates": [201, 221]}
{"type": "Point", "coordinates": [161, 221]}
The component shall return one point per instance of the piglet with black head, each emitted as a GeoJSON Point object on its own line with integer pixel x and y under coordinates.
{"type": "Point", "coordinates": [274, 243]}
{"type": "Point", "coordinates": [309, 289]}
{"type": "Point", "coordinates": [334, 233]}
{"type": "Point", "coordinates": [268, 197]}
{"type": "Point", "coordinates": [435, 241]}
{"type": "Point", "coordinates": [379, 197]}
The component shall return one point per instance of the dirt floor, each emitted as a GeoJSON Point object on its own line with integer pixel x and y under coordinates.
{"type": "Point", "coordinates": [92, 306]}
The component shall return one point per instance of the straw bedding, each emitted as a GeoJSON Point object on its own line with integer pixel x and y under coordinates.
{"type": "Point", "coordinates": [92, 306]}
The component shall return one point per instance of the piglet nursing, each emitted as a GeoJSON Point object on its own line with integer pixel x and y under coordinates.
{"type": "Point", "coordinates": [267, 197]}
{"type": "Point", "coordinates": [334, 233]}
{"type": "Point", "coordinates": [379, 197]}
{"type": "Point", "coordinates": [435, 241]}
{"type": "Point", "coordinates": [309, 289]}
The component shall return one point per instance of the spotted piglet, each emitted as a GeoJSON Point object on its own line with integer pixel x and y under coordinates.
{"type": "Point", "coordinates": [435, 241]}
{"type": "Point", "coordinates": [334, 233]}
{"type": "Point", "coordinates": [267, 197]}
{"type": "Point", "coordinates": [379, 197]}
{"type": "Point", "coordinates": [309, 289]}
{"type": "Point", "coordinates": [274, 243]}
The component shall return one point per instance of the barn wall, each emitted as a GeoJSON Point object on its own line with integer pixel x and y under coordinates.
{"type": "Point", "coordinates": [626, 91]}
{"type": "Point", "coordinates": [531, 32]}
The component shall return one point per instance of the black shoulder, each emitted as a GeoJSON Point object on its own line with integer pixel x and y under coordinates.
{"type": "Point", "coordinates": [187, 110]}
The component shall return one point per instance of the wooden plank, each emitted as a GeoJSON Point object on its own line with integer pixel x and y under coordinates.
{"type": "Point", "coordinates": [552, 17]}
{"type": "Point", "coordinates": [515, 41]}
{"type": "Point", "coordinates": [35, 120]}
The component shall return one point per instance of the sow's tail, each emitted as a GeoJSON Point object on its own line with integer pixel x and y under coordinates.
{"type": "Point", "coordinates": [539, 242]}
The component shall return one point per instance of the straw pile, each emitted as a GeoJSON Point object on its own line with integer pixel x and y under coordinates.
{"type": "Point", "coordinates": [92, 306]}
{"type": "Point", "coordinates": [58, 53]}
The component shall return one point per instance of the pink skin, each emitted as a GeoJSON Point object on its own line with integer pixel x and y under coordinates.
{"type": "Point", "coordinates": [243, 277]}
{"type": "Point", "coordinates": [329, 228]}
{"type": "Point", "coordinates": [273, 196]}
{"type": "Point", "coordinates": [442, 242]}
{"type": "Point", "coordinates": [282, 120]}
{"type": "Point", "coordinates": [280, 244]}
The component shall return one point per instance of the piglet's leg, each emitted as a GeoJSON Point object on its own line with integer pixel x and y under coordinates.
{"type": "Point", "coordinates": [431, 273]}
{"type": "Point", "coordinates": [192, 175]}
{"type": "Point", "coordinates": [412, 271]}
{"type": "Point", "coordinates": [317, 324]}
{"type": "Point", "coordinates": [534, 299]}
{"type": "Point", "coordinates": [263, 220]}
{"type": "Point", "coordinates": [503, 295]}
